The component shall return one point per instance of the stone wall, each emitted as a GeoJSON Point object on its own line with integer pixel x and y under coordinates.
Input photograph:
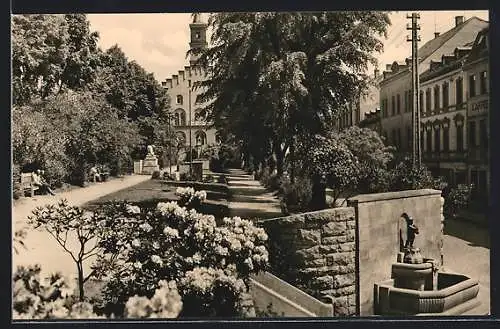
{"type": "Point", "coordinates": [316, 253]}
{"type": "Point", "coordinates": [378, 220]}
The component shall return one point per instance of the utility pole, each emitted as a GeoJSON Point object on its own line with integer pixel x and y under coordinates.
{"type": "Point", "coordinates": [415, 86]}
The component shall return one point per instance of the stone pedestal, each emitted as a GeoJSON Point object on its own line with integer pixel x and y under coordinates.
{"type": "Point", "coordinates": [138, 167]}
{"type": "Point", "coordinates": [150, 165]}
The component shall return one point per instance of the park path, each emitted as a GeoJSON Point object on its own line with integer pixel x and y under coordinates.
{"type": "Point", "coordinates": [249, 199]}
{"type": "Point", "coordinates": [41, 247]}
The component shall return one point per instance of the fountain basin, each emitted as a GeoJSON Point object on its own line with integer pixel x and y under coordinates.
{"type": "Point", "coordinates": [455, 294]}
{"type": "Point", "coordinates": [412, 276]}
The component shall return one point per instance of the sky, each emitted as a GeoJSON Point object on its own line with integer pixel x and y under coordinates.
{"type": "Point", "coordinates": [159, 42]}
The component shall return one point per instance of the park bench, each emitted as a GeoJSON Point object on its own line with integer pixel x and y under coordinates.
{"type": "Point", "coordinates": [103, 176]}
{"type": "Point", "coordinates": [28, 184]}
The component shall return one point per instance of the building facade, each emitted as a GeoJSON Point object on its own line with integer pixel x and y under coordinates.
{"type": "Point", "coordinates": [454, 105]}
{"type": "Point", "coordinates": [395, 87]}
{"type": "Point", "coordinates": [476, 72]}
{"type": "Point", "coordinates": [190, 125]}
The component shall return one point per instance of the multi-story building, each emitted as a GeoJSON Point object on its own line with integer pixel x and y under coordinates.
{"type": "Point", "coordinates": [363, 104]}
{"type": "Point", "coordinates": [476, 73]}
{"type": "Point", "coordinates": [454, 106]}
{"type": "Point", "coordinates": [395, 87]}
{"type": "Point", "coordinates": [191, 127]}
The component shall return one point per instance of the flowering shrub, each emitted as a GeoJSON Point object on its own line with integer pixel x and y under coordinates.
{"type": "Point", "coordinates": [50, 298]}
{"type": "Point", "coordinates": [142, 247]}
{"type": "Point", "coordinates": [53, 298]}
{"type": "Point", "coordinates": [457, 199]}
{"type": "Point", "coordinates": [189, 197]}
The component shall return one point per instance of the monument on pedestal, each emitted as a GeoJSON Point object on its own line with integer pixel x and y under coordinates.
{"type": "Point", "coordinates": [150, 163]}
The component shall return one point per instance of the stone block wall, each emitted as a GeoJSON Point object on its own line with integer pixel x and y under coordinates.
{"type": "Point", "coordinates": [316, 253]}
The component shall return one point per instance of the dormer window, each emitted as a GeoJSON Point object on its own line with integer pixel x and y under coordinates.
{"type": "Point", "coordinates": [179, 99]}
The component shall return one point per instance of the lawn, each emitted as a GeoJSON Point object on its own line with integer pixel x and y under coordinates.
{"type": "Point", "coordinates": [149, 193]}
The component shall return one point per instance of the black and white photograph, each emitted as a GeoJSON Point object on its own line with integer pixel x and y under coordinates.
{"type": "Point", "coordinates": [250, 165]}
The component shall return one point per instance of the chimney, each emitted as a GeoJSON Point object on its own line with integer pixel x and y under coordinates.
{"type": "Point", "coordinates": [436, 34]}
{"type": "Point", "coordinates": [375, 72]}
{"type": "Point", "coordinates": [459, 20]}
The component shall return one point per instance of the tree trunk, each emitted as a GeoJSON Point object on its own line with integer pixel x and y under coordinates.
{"type": "Point", "coordinates": [292, 162]}
{"type": "Point", "coordinates": [318, 198]}
{"type": "Point", "coordinates": [80, 281]}
{"type": "Point", "coordinates": [280, 163]}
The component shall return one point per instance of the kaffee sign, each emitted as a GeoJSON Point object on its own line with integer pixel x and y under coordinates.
{"type": "Point", "coordinates": [478, 108]}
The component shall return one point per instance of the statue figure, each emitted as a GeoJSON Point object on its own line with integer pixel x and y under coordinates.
{"type": "Point", "coordinates": [411, 231]}
{"type": "Point", "coordinates": [196, 18]}
{"type": "Point", "coordinates": [150, 150]}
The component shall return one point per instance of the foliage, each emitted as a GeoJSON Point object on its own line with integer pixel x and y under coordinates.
{"type": "Point", "coordinates": [187, 177]}
{"type": "Point", "coordinates": [145, 246]}
{"type": "Point", "coordinates": [275, 75]}
{"type": "Point", "coordinates": [404, 176]}
{"type": "Point", "coordinates": [457, 199]}
{"type": "Point", "coordinates": [18, 240]}
{"type": "Point", "coordinates": [165, 303]}
{"type": "Point", "coordinates": [156, 174]}
{"type": "Point", "coordinates": [208, 178]}
{"type": "Point", "coordinates": [269, 312]}
{"type": "Point", "coordinates": [63, 221]}
{"type": "Point", "coordinates": [52, 298]}
{"type": "Point", "coordinates": [188, 197]}
{"type": "Point", "coordinates": [295, 197]}
{"type": "Point", "coordinates": [168, 176]}
{"type": "Point", "coordinates": [17, 190]}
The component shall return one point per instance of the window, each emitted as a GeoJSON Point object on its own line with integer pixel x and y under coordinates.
{"type": "Point", "coordinates": [179, 99]}
{"type": "Point", "coordinates": [460, 138]}
{"type": "Point", "coordinates": [393, 107]}
{"type": "Point", "coordinates": [445, 95]}
{"type": "Point", "coordinates": [407, 103]}
{"type": "Point", "coordinates": [428, 101]}
{"type": "Point", "coordinates": [484, 83]}
{"type": "Point", "coordinates": [460, 91]}
{"type": "Point", "coordinates": [180, 117]}
{"type": "Point", "coordinates": [429, 140]}
{"type": "Point", "coordinates": [198, 35]}
{"type": "Point", "coordinates": [472, 133]}
{"type": "Point", "coordinates": [437, 140]}
{"type": "Point", "coordinates": [446, 139]}
{"type": "Point", "coordinates": [410, 101]}
{"type": "Point", "coordinates": [201, 138]}
{"type": "Point", "coordinates": [398, 107]}
{"type": "Point", "coordinates": [472, 85]}
{"type": "Point", "coordinates": [437, 104]}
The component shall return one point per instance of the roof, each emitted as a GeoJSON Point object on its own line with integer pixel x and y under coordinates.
{"type": "Point", "coordinates": [479, 47]}
{"type": "Point", "coordinates": [432, 45]}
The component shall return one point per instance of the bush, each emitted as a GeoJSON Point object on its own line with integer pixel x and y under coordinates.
{"type": "Point", "coordinates": [17, 191]}
{"type": "Point", "coordinates": [406, 177]}
{"type": "Point", "coordinates": [264, 176]}
{"type": "Point", "coordinates": [187, 177]}
{"type": "Point", "coordinates": [207, 260]}
{"type": "Point", "coordinates": [156, 174]}
{"type": "Point", "coordinates": [295, 197]}
{"type": "Point", "coordinates": [457, 199]}
{"type": "Point", "coordinates": [168, 176]}
{"type": "Point", "coordinates": [52, 298]}
{"type": "Point", "coordinates": [273, 183]}
{"type": "Point", "coordinates": [188, 197]}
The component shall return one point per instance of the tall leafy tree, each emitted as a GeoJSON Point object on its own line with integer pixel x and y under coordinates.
{"type": "Point", "coordinates": [280, 74]}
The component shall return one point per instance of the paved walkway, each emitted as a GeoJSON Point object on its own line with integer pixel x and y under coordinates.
{"type": "Point", "coordinates": [249, 199]}
{"type": "Point", "coordinates": [41, 247]}
{"type": "Point", "coordinates": [467, 251]}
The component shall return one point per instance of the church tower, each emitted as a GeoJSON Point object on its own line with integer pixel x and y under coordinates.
{"type": "Point", "coordinates": [198, 36]}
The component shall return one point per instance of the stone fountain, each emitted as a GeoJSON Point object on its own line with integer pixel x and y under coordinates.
{"type": "Point", "coordinates": [418, 287]}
